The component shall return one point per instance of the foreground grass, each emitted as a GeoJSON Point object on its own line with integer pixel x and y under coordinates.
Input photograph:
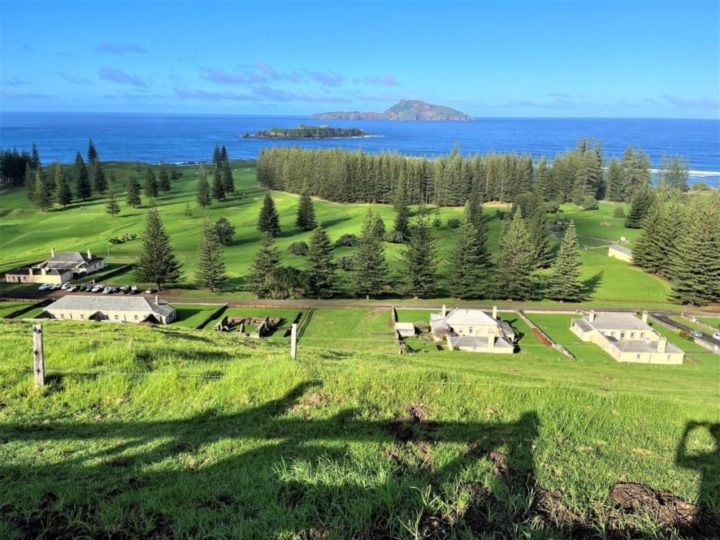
{"type": "Point", "coordinates": [152, 432]}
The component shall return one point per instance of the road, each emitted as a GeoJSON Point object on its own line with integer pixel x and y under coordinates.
{"type": "Point", "coordinates": [665, 319]}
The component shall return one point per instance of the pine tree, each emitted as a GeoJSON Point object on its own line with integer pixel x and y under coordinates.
{"type": "Point", "coordinates": [402, 219]}
{"type": "Point", "coordinates": [267, 261]}
{"type": "Point", "coordinates": [641, 203]}
{"type": "Point", "coordinates": [543, 184]}
{"type": "Point", "coordinates": [84, 189]}
{"type": "Point", "coordinates": [540, 235]}
{"type": "Point", "coordinates": [217, 159]}
{"type": "Point", "coordinates": [41, 194]}
{"type": "Point", "coordinates": [228, 180]}
{"type": "Point", "coordinates": [224, 155]}
{"type": "Point", "coordinates": [420, 260]}
{"type": "Point", "coordinates": [564, 284]}
{"type": "Point", "coordinates": [98, 178]}
{"type": "Point", "coordinates": [62, 190]}
{"type": "Point", "coordinates": [470, 262]}
{"type": "Point", "coordinates": [157, 263]}
{"type": "Point", "coordinates": [320, 266]}
{"type": "Point", "coordinates": [112, 207]}
{"type": "Point", "coordinates": [29, 180]}
{"type": "Point", "coordinates": [92, 154]}
{"type": "Point", "coordinates": [379, 228]}
{"type": "Point", "coordinates": [306, 213]}
{"type": "Point", "coordinates": [614, 181]}
{"type": "Point", "coordinates": [35, 158]}
{"type": "Point", "coordinates": [269, 220]}
{"type": "Point", "coordinates": [132, 190]}
{"type": "Point", "coordinates": [151, 185]}
{"type": "Point", "coordinates": [163, 179]}
{"type": "Point", "coordinates": [370, 269]}
{"type": "Point", "coordinates": [696, 267]}
{"type": "Point", "coordinates": [218, 186]}
{"type": "Point", "coordinates": [515, 261]}
{"type": "Point", "coordinates": [674, 173]}
{"type": "Point", "coordinates": [211, 266]}
{"type": "Point", "coordinates": [203, 189]}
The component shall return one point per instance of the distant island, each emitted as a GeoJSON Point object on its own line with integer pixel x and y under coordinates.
{"type": "Point", "coordinates": [307, 132]}
{"type": "Point", "coordinates": [405, 110]}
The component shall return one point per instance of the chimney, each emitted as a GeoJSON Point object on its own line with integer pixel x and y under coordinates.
{"type": "Point", "coordinates": [494, 312]}
{"type": "Point", "coordinates": [89, 254]}
{"type": "Point", "coordinates": [52, 253]}
{"type": "Point", "coordinates": [591, 315]}
{"type": "Point", "coordinates": [444, 310]}
{"type": "Point", "coordinates": [662, 345]}
{"type": "Point", "coordinates": [644, 317]}
{"type": "Point", "coordinates": [31, 271]}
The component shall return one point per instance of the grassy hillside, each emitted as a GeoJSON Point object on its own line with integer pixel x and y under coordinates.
{"type": "Point", "coordinates": [152, 432]}
{"type": "Point", "coordinates": [28, 234]}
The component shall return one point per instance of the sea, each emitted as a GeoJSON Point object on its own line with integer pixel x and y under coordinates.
{"type": "Point", "coordinates": [186, 138]}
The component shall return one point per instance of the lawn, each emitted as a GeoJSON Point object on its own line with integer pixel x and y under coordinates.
{"type": "Point", "coordinates": [192, 315]}
{"type": "Point", "coordinates": [287, 317]}
{"type": "Point", "coordinates": [169, 431]}
{"type": "Point", "coordinates": [6, 308]}
{"type": "Point", "coordinates": [28, 234]}
{"type": "Point", "coordinates": [351, 329]}
{"type": "Point", "coordinates": [712, 321]}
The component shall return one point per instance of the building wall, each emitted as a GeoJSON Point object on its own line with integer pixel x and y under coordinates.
{"type": "Point", "coordinates": [113, 316]}
{"type": "Point", "coordinates": [470, 330]}
{"type": "Point", "coordinates": [38, 278]}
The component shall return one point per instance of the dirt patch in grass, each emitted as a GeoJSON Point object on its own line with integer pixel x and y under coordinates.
{"type": "Point", "coordinates": [312, 401]}
{"type": "Point", "coordinates": [413, 426]}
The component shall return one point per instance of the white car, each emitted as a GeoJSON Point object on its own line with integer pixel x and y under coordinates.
{"type": "Point", "coordinates": [97, 288]}
{"type": "Point", "coordinates": [716, 335]}
{"type": "Point", "coordinates": [43, 287]}
{"type": "Point", "coordinates": [107, 290]}
{"type": "Point", "coordinates": [65, 286]}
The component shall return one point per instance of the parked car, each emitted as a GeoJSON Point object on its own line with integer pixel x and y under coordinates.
{"type": "Point", "coordinates": [43, 287]}
{"type": "Point", "coordinates": [65, 286]}
{"type": "Point", "coordinates": [716, 335]}
{"type": "Point", "coordinates": [134, 289]}
{"type": "Point", "coordinates": [71, 288]}
{"type": "Point", "coordinates": [97, 288]}
{"type": "Point", "coordinates": [696, 333]}
{"type": "Point", "coordinates": [150, 291]}
{"type": "Point", "coordinates": [124, 289]}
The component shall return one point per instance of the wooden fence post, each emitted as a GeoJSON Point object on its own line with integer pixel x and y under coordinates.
{"type": "Point", "coordinates": [38, 356]}
{"type": "Point", "coordinates": [293, 341]}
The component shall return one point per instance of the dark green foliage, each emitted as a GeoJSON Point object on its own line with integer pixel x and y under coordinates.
{"type": "Point", "coordinates": [269, 220]}
{"type": "Point", "coordinates": [157, 262]}
{"type": "Point", "coordinates": [379, 227]}
{"type": "Point", "coordinates": [543, 184]}
{"type": "Point", "coordinates": [228, 180]}
{"type": "Point", "coordinates": [112, 207]}
{"type": "Point", "coordinates": [515, 261]}
{"type": "Point", "coordinates": [217, 157]}
{"type": "Point", "coordinates": [224, 154]}
{"type": "Point", "coordinates": [402, 220]}
{"type": "Point", "coordinates": [346, 263]}
{"type": "Point", "coordinates": [132, 192]}
{"type": "Point", "coordinates": [92, 154]}
{"type": "Point", "coordinates": [218, 187]}
{"type": "Point", "coordinates": [151, 185]}
{"type": "Point", "coordinates": [163, 179]}
{"type": "Point", "coordinates": [590, 203]}
{"type": "Point", "coordinates": [63, 196]}
{"type": "Point", "coordinates": [12, 168]}
{"type": "Point", "coordinates": [35, 158]}
{"type": "Point", "coordinates": [420, 260]}
{"type": "Point", "coordinates": [539, 232]}
{"type": "Point", "coordinates": [41, 193]}
{"type": "Point", "coordinates": [225, 231]}
{"type": "Point", "coordinates": [615, 182]}
{"type": "Point", "coordinates": [641, 203]}
{"type": "Point", "coordinates": [635, 173]}
{"type": "Point", "coordinates": [320, 266]}
{"type": "Point", "coordinates": [82, 180]}
{"type": "Point", "coordinates": [29, 180]}
{"type": "Point", "coordinates": [696, 267]}
{"type": "Point", "coordinates": [663, 231]}
{"type": "Point", "coordinates": [211, 265]}
{"type": "Point", "coordinates": [266, 263]}
{"type": "Point", "coordinates": [618, 212]}
{"type": "Point", "coordinates": [454, 223]}
{"type": "Point", "coordinates": [306, 213]}
{"type": "Point", "coordinates": [370, 269]}
{"type": "Point", "coordinates": [589, 176]}
{"type": "Point", "coordinates": [347, 240]}
{"type": "Point", "coordinates": [394, 237]}
{"type": "Point", "coordinates": [564, 284]}
{"type": "Point", "coordinates": [99, 181]}
{"type": "Point", "coordinates": [298, 248]}
{"type": "Point", "coordinates": [469, 274]}
{"type": "Point", "coordinates": [674, 173]}
{"type": "Point", "coordinates": [203, 188]}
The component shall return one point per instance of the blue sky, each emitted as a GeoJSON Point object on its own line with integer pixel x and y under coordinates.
{"type": "Point", "coordinates": [562, 58]}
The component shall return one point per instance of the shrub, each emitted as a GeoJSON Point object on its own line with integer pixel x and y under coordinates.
{"type": "Point", "coordinates": [618, 212]}
{"type": "Point", "coordinates": [590, 203]}
{"type": "Point", "coordinates": [285, 282]}
{"type": "Point", "coordinates": [394, 237]}
{"type": "Point", "coordinates": [225, 231]}
{"type": "Point", "coordinates": [346, 263]}
{"type": "Point", "coordinates": [453, 223]}
{"type": "Point", "coordinates": [298, 248]}
{"type": "Point", "coordinates": [552, 207]}
{"type": "Point", "coordinates": [437, 222]}
{"type": "Point", "coordinates": [700, 186]}
{"type": "Point", "coordinates": [347, 240]}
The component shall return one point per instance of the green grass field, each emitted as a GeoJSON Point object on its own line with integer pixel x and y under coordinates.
{"type": "Point", "coordinates": [170, 431]}
{"type": "Point", "coordinates": [191, 315]}
{"type": "Point", "coordinates": [7, 308]}
{"type": "Point", "coordinates": [27, 234]}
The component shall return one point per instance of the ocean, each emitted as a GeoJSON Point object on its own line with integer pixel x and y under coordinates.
{"type": "Point", "coordinates": [184, 138]}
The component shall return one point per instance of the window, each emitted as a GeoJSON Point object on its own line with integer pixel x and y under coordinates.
{"type": "Point", "coordinates": [62, 315]}
{"type": "Point", "coordinates": [136, 317]}
{"type": "Point", "coordinates": [637, 357]}
{"type": "Point", "coordinates": [116, 317]}
{"type": "Point", "coordinates": [82, 316]}
{"type": "Point", "coordinates": [632, 335]}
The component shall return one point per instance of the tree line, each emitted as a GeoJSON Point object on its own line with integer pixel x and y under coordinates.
{"type": "Point", "coordinates": [581, 175]}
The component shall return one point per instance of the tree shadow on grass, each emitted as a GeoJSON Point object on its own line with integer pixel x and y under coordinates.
{"type": "Point", "coordinates": [591, 284]}
{"type": "Point", "coordinates": [276, 469]}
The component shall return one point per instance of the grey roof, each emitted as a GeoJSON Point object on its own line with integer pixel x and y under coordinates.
{"type": "Point", "coordinates": [474, 317]}
{"type": "Point", "coordinates": [622, 249]}
{"type": "Point", "coordinates": [70, 256]}
{"type": "Point", "coordinates": [643, 346]}
{"type": "Point", "coordinates": [110, 303]}
{"type": "Point", "coordinates": [583, 324]}
{"type": "Point", "coordinates": [612, 320]}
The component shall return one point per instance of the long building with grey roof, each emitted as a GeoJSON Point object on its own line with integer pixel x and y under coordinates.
{"type": "Point", "coordinates": [132, 309]}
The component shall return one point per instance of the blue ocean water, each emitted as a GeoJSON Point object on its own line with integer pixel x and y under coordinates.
{"type": "Point", "coordinates": [182, 138]}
